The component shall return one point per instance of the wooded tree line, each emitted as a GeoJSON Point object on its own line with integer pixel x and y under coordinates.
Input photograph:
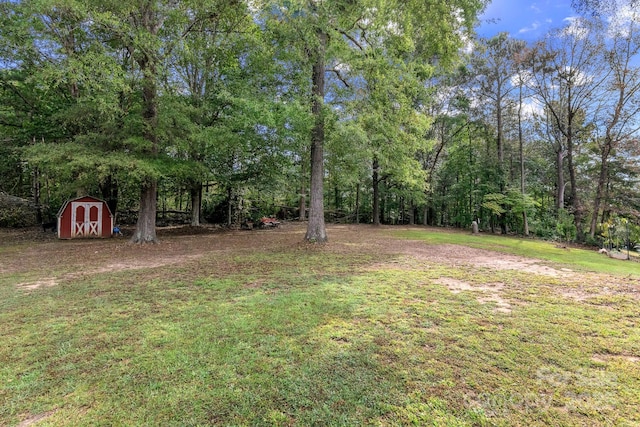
{"type": "Point", "coordinates": [376, 111]}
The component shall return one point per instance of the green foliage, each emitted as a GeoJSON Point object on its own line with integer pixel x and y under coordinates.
{"type": "Point", "coordinates": [543, 224]}
{"type": "Point", "coordinates": [618, 233]}
{"type": "Point", "coordinates": [16, 212]}
{"type": "Point", "coordinates": [566, 226]}
{"type": "Point", "coordinates": [495, 203]}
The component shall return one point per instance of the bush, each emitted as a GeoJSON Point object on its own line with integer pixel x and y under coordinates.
{"type": "Point", "coordinates": [566, 228]}
{"type": "Point", "coordinates": [618, 232]}
{"type": "Point", "coordinates": [16, 212]}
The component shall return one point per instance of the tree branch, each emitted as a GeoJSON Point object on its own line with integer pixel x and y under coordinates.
{"type": "Point", "coordinates": [351, 38]}
{"type": "Point", "coordinates": [337, 73]}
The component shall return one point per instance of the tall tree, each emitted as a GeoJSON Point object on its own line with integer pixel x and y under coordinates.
{"type": "Point", "coordinates": [567, 72]}
{"type": "Point", "coordinates": [217, 75]}
{"type": "Point", "coordinates": [347, 31]}
{"type": "Point", "coordinates": [619, 105]}
{"type": "Point", "coordinates": [149, 31]}
{"type": "Point", "coordinates": [494, 66]}
{"type": "Point", "coordinates": [520, 80]}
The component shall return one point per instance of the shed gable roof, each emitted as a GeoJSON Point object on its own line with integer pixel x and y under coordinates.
{"type": "Point", "coordinates": [65, 204]}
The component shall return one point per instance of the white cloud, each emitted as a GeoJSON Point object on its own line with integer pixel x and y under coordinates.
{"type": "Point", "coordinates": [623, 21]}
{"type": "Point", "coordinates": [532, 108]}
{"type": "Point", "coordinates": [575, 28]}
{"type": "Point", "coordinates": [343, 68]}
{"type": "Point", "coordinates": [534, 26]}
{"type": "Point", "coordinates": [577, 77]}
{"type": "Point", "coordinates": [524, 78]}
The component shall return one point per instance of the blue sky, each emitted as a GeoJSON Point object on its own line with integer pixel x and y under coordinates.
{"type": "Point", "coordinates": [524, 19]}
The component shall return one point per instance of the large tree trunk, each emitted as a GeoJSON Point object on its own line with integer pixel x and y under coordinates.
{"type": "Point", "coordinates": [316, 230]}
{"type": "Point", "coordinates": [196, 203]}
{"type": "Point", "coordinates": [146, 225]}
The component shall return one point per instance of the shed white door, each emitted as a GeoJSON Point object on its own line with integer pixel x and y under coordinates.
{"type": "Point", "coordinates": [85, 219]}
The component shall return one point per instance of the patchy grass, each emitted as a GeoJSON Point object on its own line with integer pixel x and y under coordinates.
{"type": "Point", "coordinates": [342, 334]}
{"type": "Point", "coordinates": [575, 258]}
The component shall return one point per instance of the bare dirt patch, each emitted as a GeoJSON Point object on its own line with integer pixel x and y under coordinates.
{"type": "Point", "coordinates": [481, 258]}
{"type": "Point", "coordinates": [42, 283]}
{"type": "Point", "coordinates": [47, 261]}
{"type": "Point", "coordinates": [32, 420]}
{"type": "Point", "coordinates": [490, 292]}
{"type": "Point", "coordinates": [606, 358]}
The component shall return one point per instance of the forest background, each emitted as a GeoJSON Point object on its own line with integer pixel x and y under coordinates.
{"type": "Point", "coordinates": [370, 111]}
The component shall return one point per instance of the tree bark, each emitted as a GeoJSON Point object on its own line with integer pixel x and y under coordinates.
{"type": "Point", "coordinates": [36, 195]}
{"type": "Point", "coordinates": [196, 203]}
{"type": "Point", "coordinates": [560, 179]}
{"type": "Point", "coordinates": [602, 181]}
{"type": "Point", "coordinates": [501, 171]}
{"type": "Point", "coordinates": [525, 220]}
{"type": "Point", "coordinates": [575, 203]}
{"type": "Point", "coordinates": [303, 193]}
{"type": "Point", "coordinates": [229, 206]}
{"type": "Point", "coordinates": [316, 230]}
{"type": "Point", "coordinates": [357, 206]}
{"type": "Point", "coordinates": [146, 225]}
{"type": "Point", "coordinates": [376, 192]}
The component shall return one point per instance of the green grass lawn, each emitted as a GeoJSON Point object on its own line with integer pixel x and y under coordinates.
{"type": "Point", "coordinates": [319, 336]}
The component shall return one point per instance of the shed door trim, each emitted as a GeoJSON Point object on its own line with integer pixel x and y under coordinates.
{"type": "Point", "coordinates": [83, 225]}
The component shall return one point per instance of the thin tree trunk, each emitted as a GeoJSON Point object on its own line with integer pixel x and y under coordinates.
{"type": "Point", "coordinates": [229, 206]}
{"type": "Point", "coordinates": [560, 179]}
{"type": "Point", "coordinates": [316, 230]}
{"type": "Point", "coordinates": [109, 190]}
{"type": "Point", "coordinates": [525, 221]}
{"type": "Point", "coordinates": [575, 203]}
{"type": "Point", "coordinates": [376, 192]}
{"type": "Point", "coordinates": [357, 205]}
{"type": "Point", "coordinates": [500, 143]}
{"type": "Point", "coordinates": [303, 192]}
{"type": "Point", "coordinates": [36, 195]}
{"type": "Point", "coordinates": [600, 190]}
{"type": "Point", "coordinates": [412, 213]}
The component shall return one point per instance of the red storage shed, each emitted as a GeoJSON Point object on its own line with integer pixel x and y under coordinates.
{"type": "Point", "coordinates": [84, 217]}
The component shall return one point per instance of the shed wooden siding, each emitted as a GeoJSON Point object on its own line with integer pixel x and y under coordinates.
{"type": "Point", "coordinates": [85, 217]}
